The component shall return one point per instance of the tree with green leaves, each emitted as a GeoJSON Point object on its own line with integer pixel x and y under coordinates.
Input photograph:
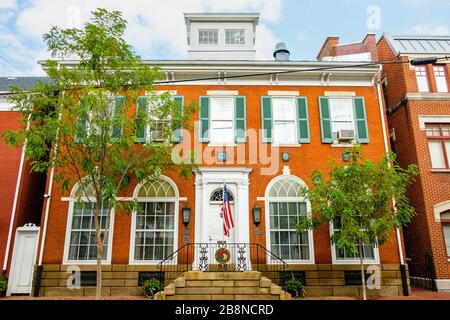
{"type": "Point", "coordinates": [365, 200]}
{"type": "Point", "coordinates": [84, 123]}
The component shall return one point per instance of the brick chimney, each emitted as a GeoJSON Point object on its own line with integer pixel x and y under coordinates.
{"type": "Point", "coordinates": [327, 48]}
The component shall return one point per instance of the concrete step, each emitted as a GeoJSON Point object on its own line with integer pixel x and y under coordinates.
{"type": "Point", "coordinates": [197, 275]}
{"type": "Point", "coordinates": [196, 285]}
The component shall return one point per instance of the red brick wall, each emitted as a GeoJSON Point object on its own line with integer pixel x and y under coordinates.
{"type": "Point", "coordinates": [327, 47]}
{"type": "Point", "coordinates": [29, 205]}
{"type": "Point", "coordinates": [423, 236]}
{"type": "Point", "coordinates": [9, 167]}
{"type": "Point", "coordinates": [303, 161]}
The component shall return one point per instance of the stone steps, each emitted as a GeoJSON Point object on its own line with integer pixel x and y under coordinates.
{"type": "Point", "coordinates": [222, 286]}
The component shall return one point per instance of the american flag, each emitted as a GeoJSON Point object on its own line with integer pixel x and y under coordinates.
{"type": "Point", "coordinates": [228, 222]}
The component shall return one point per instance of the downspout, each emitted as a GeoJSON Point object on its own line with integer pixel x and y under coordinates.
{"type": "Point", "coordinates": [14, 208]}
{"type": "Point", "coordinates": [37, 285]}
{"type": "Point", "coordinates": [386, 148]}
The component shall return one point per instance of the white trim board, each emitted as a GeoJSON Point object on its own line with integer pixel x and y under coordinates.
{"type": "Point", "coordinates": [222, 93]}
{"type": "Point", "coordinates": [423, 120]}
{"type": "Point", "coordinates": [5, 105]}
{"type": "Point", "coordinates": [284, 93]}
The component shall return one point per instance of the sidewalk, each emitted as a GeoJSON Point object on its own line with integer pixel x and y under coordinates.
{"type": "Point", "coordinates": [416, 294]}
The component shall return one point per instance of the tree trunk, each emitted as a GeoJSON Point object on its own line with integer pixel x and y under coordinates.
{"type": "Point", "coordinates": [363, 275]}
{"type": "Point", "coordinates": [99, 242]}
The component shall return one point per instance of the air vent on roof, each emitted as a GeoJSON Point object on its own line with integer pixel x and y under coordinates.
{"type": "Point", "coordinates": [281, 52]}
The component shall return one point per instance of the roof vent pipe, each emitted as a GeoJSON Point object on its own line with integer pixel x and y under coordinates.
{"type": "Point", "coordinates": [281, 52]}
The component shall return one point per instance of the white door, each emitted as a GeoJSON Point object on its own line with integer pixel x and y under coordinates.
{"type": "Point", "coordinates": [23, 260]}
{"type": "Point", "coordinates": [216, 224]}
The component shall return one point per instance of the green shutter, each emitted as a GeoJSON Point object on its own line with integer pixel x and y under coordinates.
{"type": "Point", "coordinates": [141, 116]}
{"type": "Point", "coordinates": [267, 122]}
{"type": "Point", "coordinates": [325, 120]}
{"type": "Point", "coordinates": [177, 135]}
{"type": "Point", "coordinates": [303, 121]}
{"type": "Point", "coordinates": [204, 123]}
{"type": "Point", "coordinates": [119, 105]}
{"type": "Point", "coordinates": [362, 132]}
{"type": "Point", "coordinates": [240, 120]}
{"type": "Point", "coordinates": [82, 122]}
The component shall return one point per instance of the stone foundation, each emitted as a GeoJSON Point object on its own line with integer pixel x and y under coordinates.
{"type": "Point", "coordinates": [123, 280]}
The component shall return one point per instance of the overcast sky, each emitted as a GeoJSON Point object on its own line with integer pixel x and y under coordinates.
{"type": "Point", "coordinates": [156, 28]}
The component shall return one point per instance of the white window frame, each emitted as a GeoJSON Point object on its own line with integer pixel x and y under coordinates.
{"type": "Point", "coordinates": [148, 131]}
{"type": "Point", "coordinates": [208, 37]}
{"type": "Point", "coordinates": [293, 98]}
{"type": "Point", "coordinates": [66, 260]}
{"type": "Point", "coordinates": [112, 105]}
{"type": "Point", "coordinates": [176, 201]}
{"type": "Point", "coordinates": [440, 76]}
{"type": "Point", "coordinates": [268, 200]}
{"type": "Point", "coordinates": [243, 33]}
{"type": "Point", "coordinates": [352, 114]}
{"type": "Point", "coordinates": [232, 142]}
{"type": "Point", "coordinates": [422, 75]}
{"type": "Point", "coordinates": [337, 261]}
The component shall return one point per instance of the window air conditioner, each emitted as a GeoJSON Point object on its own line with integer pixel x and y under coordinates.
{"type": "Point", "coordinates": [345, 135]}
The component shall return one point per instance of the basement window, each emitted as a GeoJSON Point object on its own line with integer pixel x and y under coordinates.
{"type": "Point", "coordinates": [353, 278]}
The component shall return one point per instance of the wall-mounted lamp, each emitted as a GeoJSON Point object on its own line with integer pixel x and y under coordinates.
{"type": "Point", "coordinates": [186, 214]}
{"type": "Point", "coordinates": [285, 156]}
{"type": "Point", "coordinates": [346, 156]}
{"type": "Point", "coordinates": [257, 215]}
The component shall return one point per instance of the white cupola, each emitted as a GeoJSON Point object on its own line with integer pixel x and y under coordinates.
{"type": "Point", "coordinates": [221, 36]}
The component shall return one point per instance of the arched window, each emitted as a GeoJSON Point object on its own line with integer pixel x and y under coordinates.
{"type": "Point", "coordinates": [445, 219]}
{"type": "Point", "coordinates": [80, 238]}
{"type": "Point", "coordinates": [154, 222]}
{"type": "Point", "coordinates": [217, 196]}
{"type": "Point", "coordinates": [285, 204]}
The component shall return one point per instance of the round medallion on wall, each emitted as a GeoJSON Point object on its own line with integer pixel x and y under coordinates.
{"type": "Point", "coordinates": [223, 256]}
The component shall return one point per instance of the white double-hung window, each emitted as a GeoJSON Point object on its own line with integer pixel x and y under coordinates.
{"type": "Point", "coordinates": [234, 36]}
{"type": "Point", "coordinates": [441, 78]}
{"type": "Point", "coordinates": [208, 36]}
{"type": "Point", "coordinates": [284, 121]}
{"type": "Point", "coordinates": [422, 79]}
{"type": "Point", "coordinates": [342, 117]}
{"type": "Point", "coordinates": [222, 120]}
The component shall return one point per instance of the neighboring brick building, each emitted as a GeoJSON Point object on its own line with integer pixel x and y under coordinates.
{"type": "Point", "coordinates": [418, 106]}
{"type": "Point", "coordinates": [366, 50]}
{"type": "Point", "coordinates": [21, 192]}
{"type": "Point", "coordinates": [262, 135]}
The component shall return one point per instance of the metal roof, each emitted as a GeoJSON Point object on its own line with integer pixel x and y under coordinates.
{"type": "Point", "coordinates": [21, 82]}
{"type": "Point", "coordinates": [221, 17]}
{"type": "Point", "coordinates": [419, 44]}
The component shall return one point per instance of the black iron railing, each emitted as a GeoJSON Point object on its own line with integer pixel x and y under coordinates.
{"type": "Point", "coordinates": [421, 272]}
{"type": "Point", "coordinates": [222, 257]}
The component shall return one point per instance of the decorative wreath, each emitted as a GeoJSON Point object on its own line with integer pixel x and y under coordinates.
{"type": "Point", "coordinates": [223, 255]}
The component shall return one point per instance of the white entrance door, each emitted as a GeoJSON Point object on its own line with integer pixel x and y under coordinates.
{"type": "Point", "coordinates": [23, 260]}
{"type": "Point", "coordinates": [216, 225]}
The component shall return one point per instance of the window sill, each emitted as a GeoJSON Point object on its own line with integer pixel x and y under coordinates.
{"type": "Point", "coordinates": [86, 263]}
{"type": "Point", "coordinates": [342, 145]}
{"type": "Point", "coordinates": [357, 262]}
{"type": "Point", "coordinates": [440, 170]}
{"type": "Point", "coordinates": [231, 145]}
{"type": "Point", "coordinates": [287, 145]}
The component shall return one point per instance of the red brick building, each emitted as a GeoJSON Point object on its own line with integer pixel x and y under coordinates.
{"type": "Point", "coordinates": [261, 135]}
{"type": "Point", "coordinates": [418, 106]}
{"type": "Point", "coordinates": [21, 195]}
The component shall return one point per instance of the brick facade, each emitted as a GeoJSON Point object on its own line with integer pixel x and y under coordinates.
{"type": "Point", "coordinates": [424, 236]}
{"type": "Point", "coordinates": [303, 161]}
{"type": "Point", "coordinates": [31, 190]}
